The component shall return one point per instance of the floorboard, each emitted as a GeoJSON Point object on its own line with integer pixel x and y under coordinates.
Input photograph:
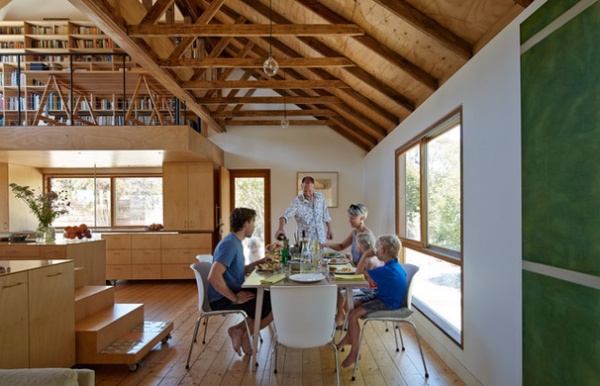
{"type": "Point", "coordinates": [216, 363]}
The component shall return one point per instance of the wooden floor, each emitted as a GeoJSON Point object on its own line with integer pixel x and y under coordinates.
{"type": "Point", "coordinates": [219, 365]}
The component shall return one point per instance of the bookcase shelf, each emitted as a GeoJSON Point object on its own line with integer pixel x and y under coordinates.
{"type": "Point", "coordinates": [45, 64]}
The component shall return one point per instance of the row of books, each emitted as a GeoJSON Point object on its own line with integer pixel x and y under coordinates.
{"type": "Point", "coordinates": [48, 30]}
{"type": "Point", "coordinates": [93, 43]}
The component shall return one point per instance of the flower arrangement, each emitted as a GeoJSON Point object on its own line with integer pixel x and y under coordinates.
{"type": "Point", "coordinates": [46, 206]}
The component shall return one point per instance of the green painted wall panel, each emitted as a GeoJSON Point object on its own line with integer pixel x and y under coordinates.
{"type": "Point", "coordinates": [561, 330]}
{"type": "Point", "coordinates": [544, 16]}
{"type": "Point", "coordinates": [561, 146]}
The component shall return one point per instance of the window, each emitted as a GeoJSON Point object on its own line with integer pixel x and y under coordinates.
{"type": "Point", "coordinates": [429, 220]}
{"type": "Point", "coordinates": [112, 201]}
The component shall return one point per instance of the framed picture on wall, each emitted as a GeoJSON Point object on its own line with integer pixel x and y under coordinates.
{"type": "Point", "coordinates": [325, 182]}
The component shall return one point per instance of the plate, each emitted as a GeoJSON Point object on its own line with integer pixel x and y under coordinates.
{"type": "Point", "coordinates": [329, 255]}
{"type": "Point", "coordinates": [347, 270]}
{"type": "Point", "coordinates": [307, 277]}
{"type": "Point", "coordinates": [338, 261]}
{"type": "Point", "coordinates": [267, 267]}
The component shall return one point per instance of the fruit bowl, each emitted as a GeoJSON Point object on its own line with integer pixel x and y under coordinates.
{"type": "Point", "coordinates": [78, 231]}
{"type": "Point", "coordinates": [154, 227]}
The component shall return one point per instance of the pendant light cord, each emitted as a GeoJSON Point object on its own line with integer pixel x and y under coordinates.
{"type": "Point", "coordinates": [270, 27]}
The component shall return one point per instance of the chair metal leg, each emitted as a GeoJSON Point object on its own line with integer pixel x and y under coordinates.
{"type": "Point", "coordinates": [187, 364]}
{"type": "Point", "coordinates": [401, 338]}
{"type": "Point", "coordinates": [273, 363]}
{"type": "Point", "coordinates": [337, 363]}
{"type": "Point", "coordinates": [419, 344]}
{"type": "Point", "coordinates": [205, 328]}
{"type": "Point", "coordinates": [395, 337]}
{"type": "Point", "coordinates": [360, 341]}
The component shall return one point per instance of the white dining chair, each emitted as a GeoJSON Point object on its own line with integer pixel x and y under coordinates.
{"type": "Point", "coordinates": [304, 317]}
{"type": "Point", "coordinates": [205, 258]}
{"type": "Point", "coordinates": [396, 317]}
{"type": "Point", "coordinates": [201, 271]}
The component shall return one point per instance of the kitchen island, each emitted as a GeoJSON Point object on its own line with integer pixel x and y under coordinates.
{"type": "Point", "coordinates": [89, 254]}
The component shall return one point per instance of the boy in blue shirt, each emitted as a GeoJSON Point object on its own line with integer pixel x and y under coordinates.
{"type": "Point", "coordinates": [391, 290]}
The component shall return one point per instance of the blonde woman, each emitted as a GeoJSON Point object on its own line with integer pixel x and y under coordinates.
{"type": "Point", "coordinates": [357, 214]}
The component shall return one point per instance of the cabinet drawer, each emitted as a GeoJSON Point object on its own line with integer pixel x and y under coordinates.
{"type": "Point", "coordinates": [179, 256]}
{"type": "Point", "coordinates": [20, 251]}
{"type": "Point", "coordinates": [53, 252]}
{"type": "Point", "coordinates": [117, 241]}
{"type": "Point", "coordinates": [151, 271]}
{"type": "Point", "coordinates": [116, 272]}
{"type": "Point", "coordinates": [118, 256]}
{"type": "Point", "coordinates": [187, 240]}
{"type": "Point", "coordinates": [145, 256]}
{"type": "Point", "coordinates": [177, 271]}
{"type": "Point", "coordinates": [145, 241]}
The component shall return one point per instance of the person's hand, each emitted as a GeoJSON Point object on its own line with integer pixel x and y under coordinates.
{"type": "Point", "coordinates": [280, 234]}
{"type": "Point", "coordinates": [244, 296]}
{"type": "Point", "coordinates": [329, 234]}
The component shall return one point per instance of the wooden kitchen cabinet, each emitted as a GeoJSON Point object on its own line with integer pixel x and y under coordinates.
{"type": "Point", "coordinates": [145, 256]}
{"type": "Point", "coordinates": [118, 256]}
{"type": "Point", "coordinates": [188, 197]}
{"type": "Point", "coordinates": [14, 339]}
{"type": "Point", "coordinates": [38, 322]}
{"type": "Point", "coordinates": [52, 316]}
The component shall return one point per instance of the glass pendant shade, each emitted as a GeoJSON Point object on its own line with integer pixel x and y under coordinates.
{"type": "Point", "coordinates": [270, 66]}
{"type": "Point", "coordinates": [285, 123]}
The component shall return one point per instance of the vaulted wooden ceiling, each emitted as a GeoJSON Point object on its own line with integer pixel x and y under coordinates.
{"type": "Point", "coordinates": [358, 67]}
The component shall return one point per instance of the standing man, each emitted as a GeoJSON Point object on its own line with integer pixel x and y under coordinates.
{"type": "Point", "coordinates": [310, 211]}
{"type": "Point", "coordinates": [227, 275]}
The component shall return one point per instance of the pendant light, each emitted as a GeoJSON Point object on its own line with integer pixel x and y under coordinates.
{"type": "Point", "coordinates": [270, 66]}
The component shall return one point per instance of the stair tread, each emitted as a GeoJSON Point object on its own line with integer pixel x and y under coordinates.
{"type": "Point", "coordinates": [106, 317]}
{"type": "Point", "coordinates": [131, 347]}
{"type": "Point", "coordinates": [90, 290]}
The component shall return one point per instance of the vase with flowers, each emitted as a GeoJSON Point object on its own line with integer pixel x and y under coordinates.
{"type": "Point", "coordinates": [46, 207]}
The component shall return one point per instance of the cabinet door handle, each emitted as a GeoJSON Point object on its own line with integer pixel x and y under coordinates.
{"type": "Point", "coordinates": [54, 274]}
{"type": "Point", "coordinates": [11, 286]}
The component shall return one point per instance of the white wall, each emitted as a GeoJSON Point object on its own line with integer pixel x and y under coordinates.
{"type": "Point", "coordinates": [287, 151]}
{"type": "Point", "coordinates": [488, 89]}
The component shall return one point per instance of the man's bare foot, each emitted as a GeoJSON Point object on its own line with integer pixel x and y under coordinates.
{"type": "Point", "coordinates": [350, 360]}
{"type": "Point", "coordinates": [246, 344]}
{"type": "Point", "coordinates": [236, 339]}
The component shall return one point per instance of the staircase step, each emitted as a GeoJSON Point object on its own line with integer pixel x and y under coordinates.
{"type": "Point", "coordinates": [97, 331]}
{"type": "Point", "coordinates": [79, 277]}
{"type": "Point", "coordinates": [92, 299]}
{"type": "Point", "coordinates": [131, 347]}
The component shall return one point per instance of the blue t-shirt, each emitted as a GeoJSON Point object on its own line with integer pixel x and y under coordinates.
{"type": "Point", "coordinates": [230, 253]}
{"type": "Point", "coordinates": [391, 283]}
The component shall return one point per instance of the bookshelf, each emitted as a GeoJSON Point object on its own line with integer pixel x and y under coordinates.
{"type": "Point", "coordinates": [71, 73]}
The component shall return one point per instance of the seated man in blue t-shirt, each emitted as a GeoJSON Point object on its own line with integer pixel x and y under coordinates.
{"type": "Point", "coordinates": [391, 290]}
{"type": "Point", "coordinates": [227, 275]}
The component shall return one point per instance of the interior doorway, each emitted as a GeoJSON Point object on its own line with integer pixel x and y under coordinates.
{"type": "Point", "coordinates": [251, 188]}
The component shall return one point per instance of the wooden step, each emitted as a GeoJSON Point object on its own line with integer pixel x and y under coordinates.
{"type": "Point", "coordinates": [97, 331]}
{"type": "Point", "coordinates": [79, 277]}
{"type": "Point", "coordinates": [92, 299]}
{"type": "Point", "coordinates": [131, 348]}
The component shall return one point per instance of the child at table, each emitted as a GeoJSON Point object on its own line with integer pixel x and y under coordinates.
{"type": "Point", "coordinates": [389, 295]}
{"type": "Point", "coordinates": [365, 246]}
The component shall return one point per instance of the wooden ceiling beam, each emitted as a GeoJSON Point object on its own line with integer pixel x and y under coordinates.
{"type": "Point", "coordinates": [194, 30]}
{"type": "Point", "coordinates": [204, 19]}
{"type": "Point", "coordinates": [523, 3]}
{"type": "Point", "coordinates": [102, 17]}
{"type": "Point", "coordinates": [363, 75]}
{"type": "Point", "coordinates": [428, 26]}
{"type": "Point", "coordinates": [268, 100]}
{"type": "Point", "coordinates": [277, 122]}
{"type": "Point", "coordinates": [157, 10]}
{"type": "Point", "coordinates": [245, 62]}
{"type": "Point", "coordinates": [368, 41]}
{"type": "Point", "coordinates": [268, 84]}
{"type": "Point", "coordinates": [270, 113]}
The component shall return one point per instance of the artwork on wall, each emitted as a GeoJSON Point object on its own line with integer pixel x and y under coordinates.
{"type": "Point", "coordinates": [325, 182]}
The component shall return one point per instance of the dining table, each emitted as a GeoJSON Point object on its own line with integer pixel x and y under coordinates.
{"type": "Point", "coordinates": [263, 280]}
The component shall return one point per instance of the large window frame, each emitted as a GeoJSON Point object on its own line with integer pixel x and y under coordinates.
{"type": "Point", "coordinates": [113, 177]}
{"type": "Point", "coordinates": [419, 244]}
